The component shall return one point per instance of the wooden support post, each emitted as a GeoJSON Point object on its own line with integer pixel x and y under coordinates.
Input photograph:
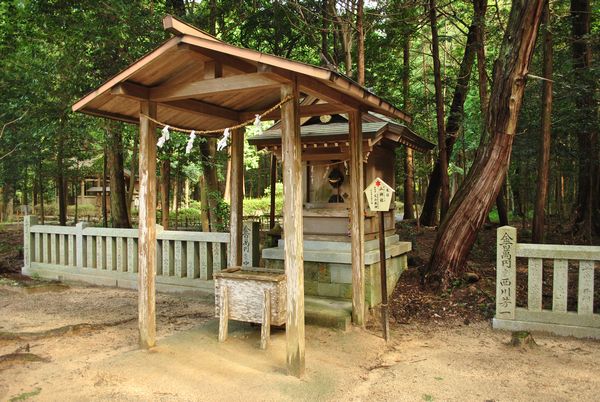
{"type": "Point", "coordinates": [147, 227]}
{"type": "Point", "coordinates": [273, 185]}
{"type": "Point", "coordinates": [357, 217]}
{"type": "Point", "coordinates": [385, 312]}
{"type": "Point", "coordinates": [224, 314]}
{"type": "Point", "coordinates": [237, 197]}
{"type": "Point", "coordinates": [292, 229]}
{"type": "Point", "coordinates": [265, 330]}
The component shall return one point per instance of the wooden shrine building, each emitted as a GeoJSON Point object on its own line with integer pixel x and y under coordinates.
{"type": "Point", "coordinates": [327, 194]}
{"type": "Point", "coordinates": [195, 81]}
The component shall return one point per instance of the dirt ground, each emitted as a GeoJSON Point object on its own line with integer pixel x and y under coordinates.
{"type": "Point", "coordinates": [448, 361]}
{"type": "Point", "coordinates": [74, 342]}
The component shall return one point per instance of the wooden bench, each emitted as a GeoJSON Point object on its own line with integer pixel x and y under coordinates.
{"type": "Point", "coordinates": [254, 295]}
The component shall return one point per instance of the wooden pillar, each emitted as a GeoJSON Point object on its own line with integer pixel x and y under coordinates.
{"type": "Point", "coordinates": [237, 197]}
{"type": "Point", "coordinates": [357, 218]}
{"type": "Point", "coordinates": [292, 229]}
{"type": "Point", "coordinates": [273, 186]}
{"type": "Point", "coordinates": [147, 226]}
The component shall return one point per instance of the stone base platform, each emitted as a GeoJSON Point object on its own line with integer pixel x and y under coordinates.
{"type": "Point", "coordinates": [328, 267]}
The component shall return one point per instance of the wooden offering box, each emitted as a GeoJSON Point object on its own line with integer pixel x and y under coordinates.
{"type": "Point", "coordinates": [246, 289]}
{"type": "Point", "coordinates": [254, 295]}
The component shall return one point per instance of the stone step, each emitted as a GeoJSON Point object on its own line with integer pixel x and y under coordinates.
{"type": "Point", "coordinates": [321, 245]}
{"type": "Point", "coordinates": [326, 312]}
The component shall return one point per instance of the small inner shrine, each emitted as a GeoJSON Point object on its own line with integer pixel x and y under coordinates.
{"type": "Point", "coordinates": [326, 202]}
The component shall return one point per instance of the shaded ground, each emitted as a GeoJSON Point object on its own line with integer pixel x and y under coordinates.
{"type": "Point", "coordinates": [60, 342]}
{"type": "Point", "coordinates": [447, 361]}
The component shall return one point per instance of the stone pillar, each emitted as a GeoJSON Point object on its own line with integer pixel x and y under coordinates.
{"type": "Point", "coordinates": [28, 222]}
{"type": "Point", "coordinates": [250, 239]}
{"type": "Point", "coordinates": [506, 272]}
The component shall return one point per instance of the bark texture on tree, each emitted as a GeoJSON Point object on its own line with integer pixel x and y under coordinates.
{"type": "Point", "coordinates": [360, 46]}
{"type": "Point", "coordinates": [118, 196]}
{"type": "Point", "coordinates": [165, 191]}
{"type": "Point", "coordinates": [439, 107]}
{"type": "Point", "coordinates": [61, 182]}
{"type": "Point", "coordinates": [587, 136]}
{"type": "Point", "coordinates": [133, 169]}
{"type": "Point", "coordinates": [541, 195]}
{"type": "Point", "coordinates": [209, 182]}
{"type": "Point", "coordinates": [455, 118]}
{"type": "Point", "coordinates": [409, 194]}
{"type": "Point", "coordinates": [471, 204]}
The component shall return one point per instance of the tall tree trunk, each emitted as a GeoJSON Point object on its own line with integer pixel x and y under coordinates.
{"type": "Point", "coordinates": [212, 18]}
{"type": "Point", "coordinates": [61, 182]}
{"type": "Point", "coordinates": [360, 47]}
{"type": "Point", "coordinates": [165, 188]}
{"type": "Point", "coordinates": [118, 198]}
{"type": "Point", "coordinates": [501, 205]}
{"type": "Point", "coordinates": [453, 124]}
{"type": "Point", "coordinates": [480, 8]}
{"type": "Point", "coordinates": [41, 192]}
{"type": "Point", "coordinates": [325, 57]}
{"type": "Point", "coordinates": [409, 194]}
{"type": "Point", "coordinates": [587, 135]}
{"type": "Point", "coordinates": [439, 108]}
{"type": "Point", "coordinates": [104, 173]}
{"type": "Point", "coordinates": [208, 151]}
{"type": "Point", "coordinates": [204, 206]}
{"type": "Point", "coordinates": [537, 227]}
{"type": "Point", "coordinates": [133, 171]}
{"type": "Point", "coordinates": [471, 204]}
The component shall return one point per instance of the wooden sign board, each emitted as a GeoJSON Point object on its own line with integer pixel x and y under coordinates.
{"type": "Point", "coordinates": [379, 195]}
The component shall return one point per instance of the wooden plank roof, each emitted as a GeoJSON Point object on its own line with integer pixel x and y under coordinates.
{"type": "Point", "coordinates": [318, 135]}
{"type": "Point", "coordinates": [200, 82]}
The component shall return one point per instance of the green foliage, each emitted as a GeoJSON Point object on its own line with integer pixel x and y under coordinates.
{"type": "Point", "coordinates": [262, 206]}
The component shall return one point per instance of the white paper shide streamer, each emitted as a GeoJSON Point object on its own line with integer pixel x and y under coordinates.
{"type": "Point", "coordinates": [257, 124]}
{"type": "Point", "coordinates": [222, 143]}
{"type": "Point", "coordinates": [164, 137]}
{"type": "Point", "coordinates": [190, 143]}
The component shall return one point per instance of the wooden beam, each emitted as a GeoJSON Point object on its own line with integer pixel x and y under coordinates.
{"type": "Point", "coordinates": [292, 230]}
{"type": "Point", "coordinates": [318, 109]}
{"type": "Point", "coordinates": [324, 92]}
{"type": "Point", "coordinates": [237, 197]}
{"type": "Point", "coordinates": [130, 89]}
{"type": "Point", "coordinates": [147, 227]}
{"type": "Point", "coordinates": [114, 116]}
{"type": "Point", "coordinates": [224, 85]}
{"type": "Point", "coordinates": [202, 108]}
{"type": "Point", "coordinates": [141, 92]}
{"type": "Point", "coordinates": [212, 69]}
{"type": "Point", "coordinates": [122, 76]}
{"type": "Point", "coordinates": [177, 27]}
{"type": "Point", "coordinates": [223, 59]}
{"type": "Point", "coordinates": [357, 208]}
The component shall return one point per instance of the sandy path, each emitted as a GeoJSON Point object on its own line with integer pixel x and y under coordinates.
{"type": "Point", "coordinates": [434, 362]}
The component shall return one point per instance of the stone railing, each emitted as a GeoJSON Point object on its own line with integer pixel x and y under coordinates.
{"type": "Point", "coordinates": [559, 320]}
{"type": "Point", "coordinates": [107, 256]}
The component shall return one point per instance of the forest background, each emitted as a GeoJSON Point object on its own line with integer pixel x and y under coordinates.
{"type": "Point", "coordinates": [434, 59]}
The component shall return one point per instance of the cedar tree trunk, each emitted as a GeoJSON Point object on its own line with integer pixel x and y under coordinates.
{"type": "Point", "coordinates": [165, 191]}
{"type": "Point", "coordinates": [587, 135]}
{"type": "Point", "coordinates": [471, 204]}
{"type": "Point", "coordinates": [118, 196]}
{"type": "Point", "coordinates": [439, 108]}
{"type": "Point", "coordinates": [537, 226]}
{"type": "Point", "coordinates": [453, 124]}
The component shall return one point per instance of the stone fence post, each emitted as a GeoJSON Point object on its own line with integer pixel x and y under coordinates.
{"type": "Point", "coordinates": [80, 247]}
{"type": "Point", "coordinates": [28, 222]}
{"type": "Point", "coordinates": [506, 272]}
{"type": "Point", "coordinates": [250, 243]}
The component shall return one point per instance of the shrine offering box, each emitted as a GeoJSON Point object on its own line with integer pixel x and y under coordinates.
{"type": "Point", "coordinates": [245, 292]}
